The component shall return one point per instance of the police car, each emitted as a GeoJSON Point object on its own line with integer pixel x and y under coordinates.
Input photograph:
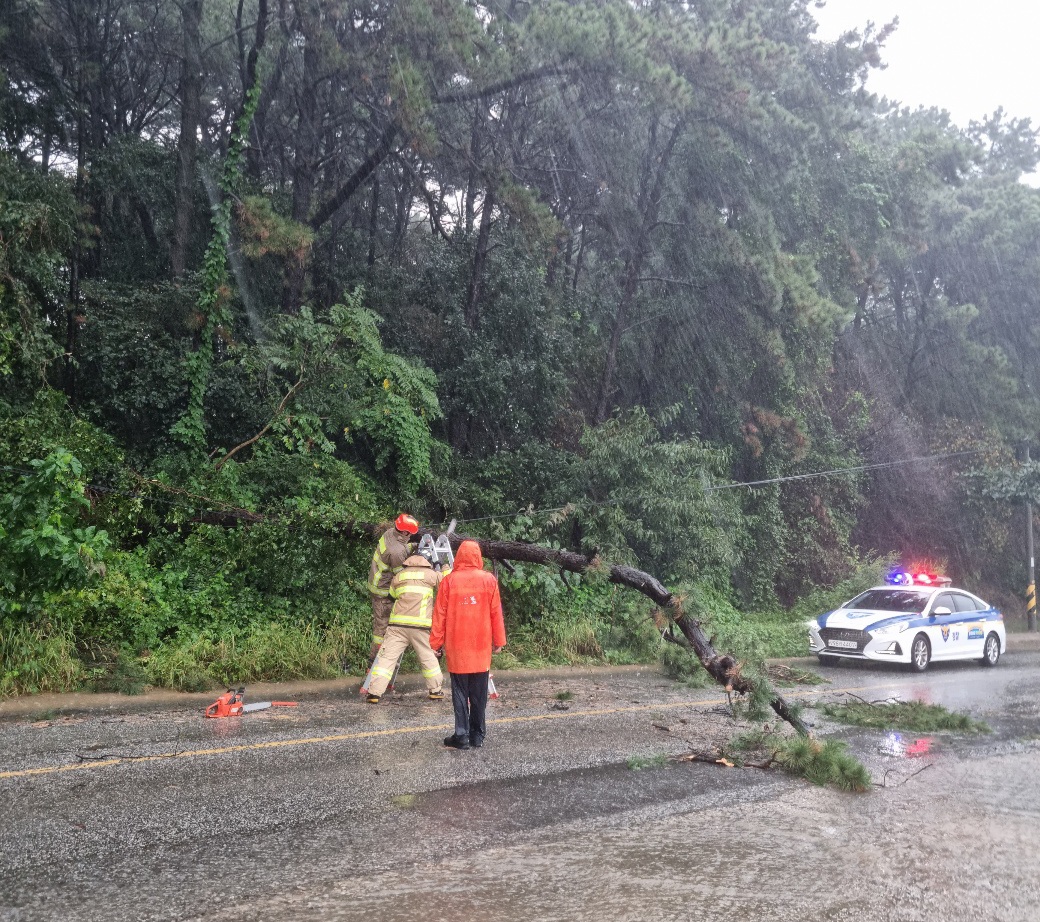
{"type": "Point", "coordinates": [916, 618]}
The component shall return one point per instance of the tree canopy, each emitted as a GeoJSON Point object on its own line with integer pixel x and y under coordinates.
{"type": "Point", "coordinates": [564, 270]}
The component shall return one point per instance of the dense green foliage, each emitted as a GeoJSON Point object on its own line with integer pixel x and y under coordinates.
{"type": "Point", "coordinates": [566, 271]}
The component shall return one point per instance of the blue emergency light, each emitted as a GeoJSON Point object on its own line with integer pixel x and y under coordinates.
{"type": "Point", "coordinates": [906, 578]}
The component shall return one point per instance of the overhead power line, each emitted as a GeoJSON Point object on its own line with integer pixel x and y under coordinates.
{"type": "Point", "coordinates": [859, 468]}
{"type": "Point", "coordinates": [230, 510]}
{"type": "Point", "coordinates": [750, 484]}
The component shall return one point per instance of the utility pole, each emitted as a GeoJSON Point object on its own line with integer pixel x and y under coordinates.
{"type": "Point", "coordinates": [1031, 591]}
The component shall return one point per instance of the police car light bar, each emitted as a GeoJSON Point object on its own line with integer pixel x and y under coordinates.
{"type": "Point", "coordinates": [904, 578]}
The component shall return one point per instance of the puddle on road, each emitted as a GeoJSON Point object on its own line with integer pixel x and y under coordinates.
{"type": "Point", "coordinates": [814, 853]}
{"type": "Point", "coordinates": [544, 800]}
{"type": "Point", "coordinates": [898, 744]}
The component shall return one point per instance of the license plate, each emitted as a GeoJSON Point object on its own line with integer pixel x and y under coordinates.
{"type": "Point", "coordinates": [844, 644]}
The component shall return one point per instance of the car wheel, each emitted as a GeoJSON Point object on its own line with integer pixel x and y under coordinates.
{"type": "Point", "coordinates": [827, 660]}
{"type": "Point", "coordinates": [920, 653]}
{"type": "Point", "coordinates": [991, 651]}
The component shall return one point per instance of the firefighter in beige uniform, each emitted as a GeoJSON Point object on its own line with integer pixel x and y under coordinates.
{"type": "Point", "coordinates": [412, 590]}
{"type": "Point", "coordinates": [388, 558]}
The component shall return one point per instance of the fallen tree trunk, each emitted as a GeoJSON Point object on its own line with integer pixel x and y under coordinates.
{"type": "Point", "coordinates": [722, 667]}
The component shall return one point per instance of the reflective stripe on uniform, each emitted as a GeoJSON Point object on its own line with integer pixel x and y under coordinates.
{"type": "Point", "coordinates": [376, 639]}
{"type": "Point", "coordinates": [380, 567]}
{"type": "Point", "coordinates": [423, 590]}
{"type": "Point", "coordinates": [404, 577]}
{"type": "Point", "coordinates": [431, 673]}
{"type": "Point", "coordinates": [424, 617]}
{"type": "Point", "coordinates": [422, 620]}
{"type": "Point", "coordinates": [382, 673]}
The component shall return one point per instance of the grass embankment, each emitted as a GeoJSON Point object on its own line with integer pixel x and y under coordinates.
{"type": "Point", "coordinates": [50, 658]}
{"type": "Point", "coordinates": [35, 659]}
{"type": "Point", "coordinates": [206, 640]}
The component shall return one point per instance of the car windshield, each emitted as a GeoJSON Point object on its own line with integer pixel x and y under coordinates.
{"type": "Point", "coordinates": [901, 600]}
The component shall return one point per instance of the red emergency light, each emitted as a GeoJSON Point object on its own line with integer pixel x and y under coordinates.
{"type": "Point", "coordinates": [906, 578]}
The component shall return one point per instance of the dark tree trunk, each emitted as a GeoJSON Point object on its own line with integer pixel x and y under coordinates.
{"type": "Point", "coordinates": [404, 210]}
{"type": "Point", "coordinates": [258, 131]}
{"type": "Point", "coordinates": [649, 206]}
{"type": "Point", "coordinates": [248, 62]}
{"type": "Point", "coordinates": [308, 136]}
{"type": "Point", "coordinates": [473, 176]}
{"type": "Point", "coordinates": [580, 258]}
{"type": "Point", "coordinates": [472, 310]}
{"type": "Point", "coordinates": [628, 293]}
{"type": "Point", "coordinates": [76, 258]}
{"type": "Point", "coordinates": [382, 150]}
{"type": "Point", "coordinates": [459, 423]}
{"type": "Point", "coordinates": [190, 93]}
{"type": "Point", "coordinates": [373, 222]}
{"type": "Point", "coordinates": [144, 216]}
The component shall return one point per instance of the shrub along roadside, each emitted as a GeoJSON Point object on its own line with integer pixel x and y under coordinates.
{"type": "Point", "coordinates": [37, 658]}
{"type": "Point", "coordinates": [136, 625]}
{"type": "Point", "coordinates": [270, 652]}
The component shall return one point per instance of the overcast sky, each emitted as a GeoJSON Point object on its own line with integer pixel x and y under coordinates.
{"type": "Point", "coordinates": [967, 58]}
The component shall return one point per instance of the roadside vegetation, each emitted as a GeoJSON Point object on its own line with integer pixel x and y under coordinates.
{"type": "Point", "coordinates": [572, 290]}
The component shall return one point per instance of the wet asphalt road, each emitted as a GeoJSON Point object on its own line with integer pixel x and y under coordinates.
{"type": "Point", "coordinates": [339, 810]}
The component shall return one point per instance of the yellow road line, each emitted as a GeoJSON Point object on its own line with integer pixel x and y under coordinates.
{"type": "Point", "coordinates": [370, 734]}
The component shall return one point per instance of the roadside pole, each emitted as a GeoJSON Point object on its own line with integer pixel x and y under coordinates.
{"type": "Point", "coordinates": [1031, 591]}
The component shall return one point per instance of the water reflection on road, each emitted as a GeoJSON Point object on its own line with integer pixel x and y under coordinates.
{"type": "Point", "coordinates": [953, 844]}
{"type": "Point", "coordinates": [696, 842]}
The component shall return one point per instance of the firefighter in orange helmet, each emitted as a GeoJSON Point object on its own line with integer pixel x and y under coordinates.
{"type": "Point", "coordinates": [389, 557]}
{"type": "Point", "coordinates": [412, 590]}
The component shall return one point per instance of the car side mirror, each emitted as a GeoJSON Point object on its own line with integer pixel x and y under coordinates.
{"type": "Point", "coordinates": [941, 610]}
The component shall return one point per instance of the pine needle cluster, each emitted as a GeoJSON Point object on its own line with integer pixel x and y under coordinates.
{"type": "Point", "coordinates": [914, 716]}
{"type": "Point", "coordinates": [822, 762]}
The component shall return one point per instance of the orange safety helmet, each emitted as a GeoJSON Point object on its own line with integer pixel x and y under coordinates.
{"type": "Point", "coordinates": [405, 522]}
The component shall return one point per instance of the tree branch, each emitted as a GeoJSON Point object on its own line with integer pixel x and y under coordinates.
{"type": "Point", "coordinates": [539, 73]}
{"type": "Point", "coordinates": [256, 438]}
{"type": "Point", "coordinates": [722, 667]}
{"type": "Point", "coordinates": [367, 167]}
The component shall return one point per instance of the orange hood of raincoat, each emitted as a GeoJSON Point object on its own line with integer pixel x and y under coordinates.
{"type": "Point", "coordinates": [467, 616]}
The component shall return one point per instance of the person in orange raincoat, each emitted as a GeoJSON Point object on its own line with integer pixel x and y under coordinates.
{"type": "Point", "coordinates": [469, 627]}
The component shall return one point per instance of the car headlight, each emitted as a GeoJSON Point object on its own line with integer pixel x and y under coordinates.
{"type": "Point", "coordinates": [888, 629]}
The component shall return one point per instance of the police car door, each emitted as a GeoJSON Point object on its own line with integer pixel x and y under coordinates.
{"type": "Point", "coordinates": [974, 632]}
{"type": "Point", "coordinates": [946, 630]}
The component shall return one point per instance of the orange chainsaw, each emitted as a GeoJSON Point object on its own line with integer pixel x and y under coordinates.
{"type": "Point", "coordinates": [232, 704]}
